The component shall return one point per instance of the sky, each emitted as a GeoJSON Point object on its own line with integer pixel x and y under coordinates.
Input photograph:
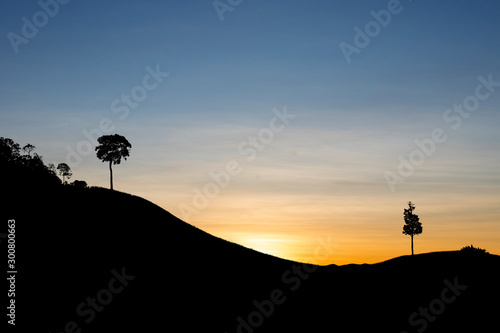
{"type": "Point", "coordinates": [297, 128]}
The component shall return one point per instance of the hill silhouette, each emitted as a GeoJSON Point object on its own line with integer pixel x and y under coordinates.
{"type": "Point", "coordinates": [71, 242]}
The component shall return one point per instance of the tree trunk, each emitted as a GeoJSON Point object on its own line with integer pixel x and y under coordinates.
{"type": "Point", "coordinates": [411, 244]}
{"type": "Point", "coordinates": [111, 179]}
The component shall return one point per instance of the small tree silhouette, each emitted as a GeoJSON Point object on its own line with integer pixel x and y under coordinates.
{"type": "Point", "coordinates": [64, 171]}
{"type": "Point", "coordinates": [412, 225]}
{"type": "Point", "coordinates": [111, 149]}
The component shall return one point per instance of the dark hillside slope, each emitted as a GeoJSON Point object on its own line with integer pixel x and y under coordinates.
{"type": "Point", "coordinates": [69, 240]}
{"type": "Point", "coordinates": [72, 242]}
{"type": "Point", "coordinates": [382, 297]}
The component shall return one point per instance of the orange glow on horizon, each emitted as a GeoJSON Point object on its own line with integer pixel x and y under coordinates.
{"type": "Point", "coordinates": [348, 231]}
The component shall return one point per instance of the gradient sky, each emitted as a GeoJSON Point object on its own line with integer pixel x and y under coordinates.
{"type": "Point", "coordinates": [312, 187]}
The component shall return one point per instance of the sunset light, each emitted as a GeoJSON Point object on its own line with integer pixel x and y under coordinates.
{"type": "Point", "coordinates": [250, 166]}
{"type": "Point", "coordinates": [275, 138]}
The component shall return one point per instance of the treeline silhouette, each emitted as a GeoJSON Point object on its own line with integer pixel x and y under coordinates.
{"type": "Point", "coordinates": [22, 167]}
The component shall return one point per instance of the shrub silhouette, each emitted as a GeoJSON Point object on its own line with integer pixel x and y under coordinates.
{"type": "Point", "coordinates": [79, 184]}
{"type": "Point", "coordinates": [470, 249]}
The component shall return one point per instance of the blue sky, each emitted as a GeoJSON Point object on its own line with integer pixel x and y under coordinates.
{"type": "Point", "coordinates": [323, 174]}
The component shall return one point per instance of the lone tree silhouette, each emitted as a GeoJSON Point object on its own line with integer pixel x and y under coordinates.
{"type": "Point", "coordinates": [111, 149]}
{"type": "Point", "coordinates": [64, 171]}
{"type": "Point", "coordinates": [412, 225]}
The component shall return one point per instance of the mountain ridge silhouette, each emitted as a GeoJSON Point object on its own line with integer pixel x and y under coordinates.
{"type": "Point", "coordinates": [185, 278]}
